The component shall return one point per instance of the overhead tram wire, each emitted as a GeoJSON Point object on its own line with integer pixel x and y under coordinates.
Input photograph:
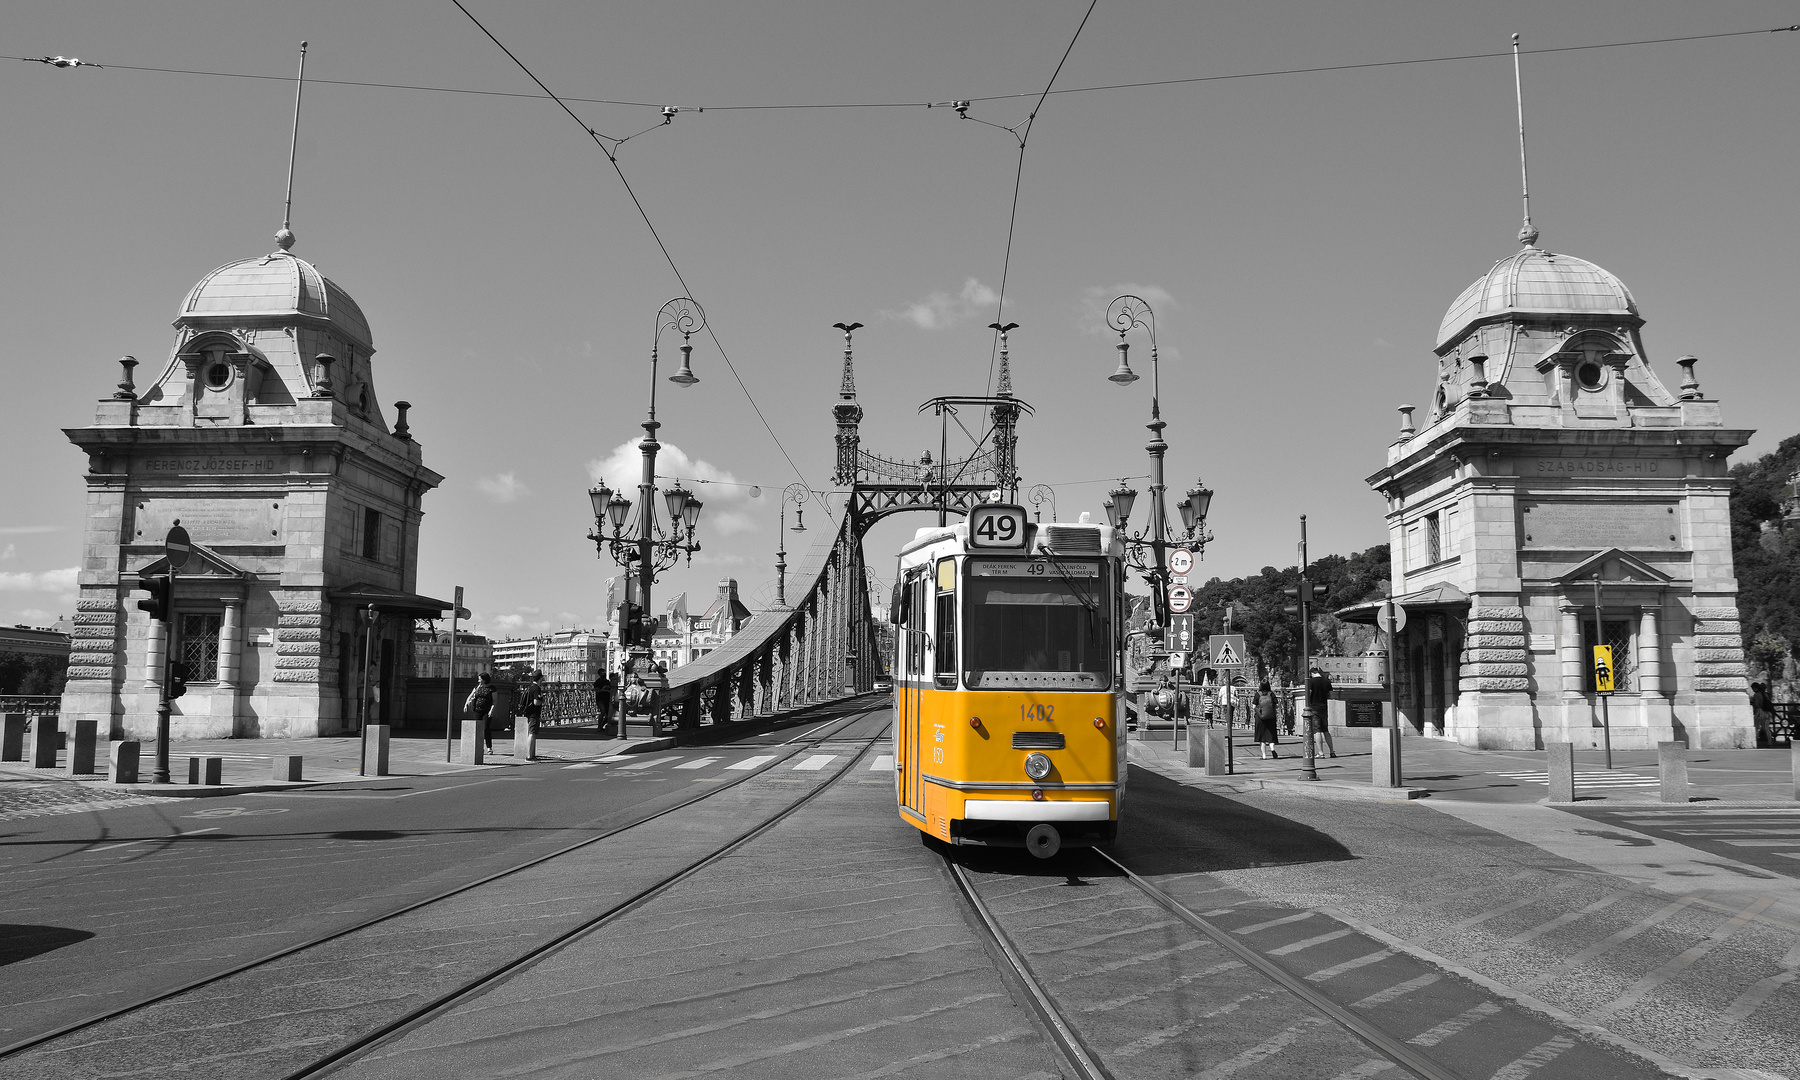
{"type": "Point", "coordinates": [600, 141]}
{"type": "Point", "coordinates": [1012, 220]}
{"type": "Point", "coordinates": [805, 105]}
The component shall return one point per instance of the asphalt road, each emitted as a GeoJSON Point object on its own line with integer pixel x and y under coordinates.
{"type": "Point", "coordinates": [108, 906]}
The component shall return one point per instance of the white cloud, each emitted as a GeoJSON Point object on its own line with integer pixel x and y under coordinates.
{"type": "Point", "coordinates": [61, 581]}
{"type": "Point", "coordinates": [1095, 300]}
{"type": "Point", "coordinates": [502, 487]}
{"type": "Point", "coordinates": [22, 530]}
{"type": "Point", "coordinates": [11, 552]}
{"type": "Point", "coordinates": [731, 507]}
{"type": "Point", "coordinates": [940, 310]}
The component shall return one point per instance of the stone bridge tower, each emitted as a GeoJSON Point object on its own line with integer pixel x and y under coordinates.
{"type": "Point", "coordinates": [1552, 456]}
{"type": "Point", "coordinates": [263, 435]}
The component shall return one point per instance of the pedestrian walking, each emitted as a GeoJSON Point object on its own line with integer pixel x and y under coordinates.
{"type": "Point", "coordinates": [529, 702]}
{"type": "Point", "coordinates": [603, 703]}
{"type": "Point", "coordinates": [1267, 710]}
{"type": "Point", "coordinates": [1762, 707]}
{"type": "Point", "coordinates": [480, 704]}
{"type": "Point", "coordinates": [1318, 706]}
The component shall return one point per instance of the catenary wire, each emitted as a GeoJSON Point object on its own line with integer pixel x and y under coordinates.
{"type": "Point", "coordinates": [802, 105]}
{"type": "Point", "coordinates": [654, 235]}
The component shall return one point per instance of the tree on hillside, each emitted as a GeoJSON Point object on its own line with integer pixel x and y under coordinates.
{"type": "Point", "coordinates": [1258, 599]}
{"type": "Point", "coordinates": [1767, 558]}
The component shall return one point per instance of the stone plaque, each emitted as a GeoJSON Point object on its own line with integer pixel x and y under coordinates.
{"type": "Point", "coordinates": [1599, 525]}
{"type": "Point", "coordinates": [1365, 714]}
{"type": "Point", "coordinates": [250, 520]}
{"type": "Point", "coordinates": [1600, 466]}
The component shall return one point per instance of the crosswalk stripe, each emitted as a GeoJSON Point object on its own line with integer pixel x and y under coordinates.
{"type": "Point", "coordinates": [1308, 943]}
{"type": "Point", "coordinates": [1454, 1024]}
{"type": "Point", "coordinates": [648, 764]}
{"type": "Point", "coordinates": [583, 765]}
{"type": "Point", "coordinates": [1536, 1058]}
{"type": "Point", "coordinates": [883, 763]}
{"type": "Point", "coordinates": [697, 763]}
{"type": "Point", "coordinates": [815, 762]}
{"type": "Point", "coordinates": [1254, 927]}
{"type": "Point", "coordinates": [1349, 965]}
{"type": "Point", "coordinates": [1382, 997]}
{"type": "Point", "coordinates": [752, 762]}
{"type": "Point", "coordinates": [1788, 842]}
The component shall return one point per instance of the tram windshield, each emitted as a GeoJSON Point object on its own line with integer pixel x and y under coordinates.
{"type": "Point", "coordinates": [1037, 624]}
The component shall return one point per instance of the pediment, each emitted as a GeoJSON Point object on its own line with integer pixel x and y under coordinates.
{"type": "Point", "coordinates": [203, 562]}
{"type": "Point", "coordinates": [1615, 565]}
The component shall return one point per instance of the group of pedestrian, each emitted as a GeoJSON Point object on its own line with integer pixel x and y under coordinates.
{"type": "Point", "coordinates": [528, 702]}
{"type": "Point", "coordinates": [1268, 713]}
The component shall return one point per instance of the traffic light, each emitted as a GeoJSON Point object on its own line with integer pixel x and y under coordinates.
{"type": "Point", "coordinates": [1306, 592]}
{"type": "Point", "coordinates": [631, 630]}
{"type": "Point", "coordinates": [178, 677]}
{"type": "Point", "coordinates": [162, 593]}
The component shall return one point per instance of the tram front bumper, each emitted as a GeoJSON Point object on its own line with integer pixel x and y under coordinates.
{"type": "Point", "coordinates": [1021, 810]}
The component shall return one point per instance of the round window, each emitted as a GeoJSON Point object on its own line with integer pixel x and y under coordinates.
{"type": "Point", "coordinates": [1590, 375]}
{"type": "Point", "coordinates": [218, 375]}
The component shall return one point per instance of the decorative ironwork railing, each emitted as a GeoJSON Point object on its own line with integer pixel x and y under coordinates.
{"type": "Point", "coordinates": [980, 469]}
{"type": "Point", "coordinates": [31, 704]}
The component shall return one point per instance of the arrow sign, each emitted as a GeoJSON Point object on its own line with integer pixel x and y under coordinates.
{"type": "Point", "coordinates": [1180, 598]}
{"type": "Point", "coordinates": [176, 547]}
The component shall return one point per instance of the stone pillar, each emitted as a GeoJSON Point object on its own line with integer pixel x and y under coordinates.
{"type": "Point", "coordinates": [1659, 711]}
{"type": "Point", "coordinates": [156, 648]}
{"type": "Point", "coordinates": [1576, 723]}
{"type": "Point", "coordinates": [231, 644]}
{"type": "Point", "coordinates": [1721, 681]}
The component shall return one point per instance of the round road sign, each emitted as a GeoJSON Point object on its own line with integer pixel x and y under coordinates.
{"type": "Point", "coordinates": [1180, 598]}
{"type": "Point", "coordinates": [1181, 560]}
{"type": "Point", "coordinates": [1390, 617]}
{"type": "Point", "coordinates": [176, 547]}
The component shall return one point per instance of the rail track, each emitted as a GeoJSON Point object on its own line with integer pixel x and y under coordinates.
{"type": "Point", "coordinates": [20, 1053]}
{"type": "Point", "coordinates": [1246, 1007]}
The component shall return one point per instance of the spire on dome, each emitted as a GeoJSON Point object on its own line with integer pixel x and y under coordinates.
{"type": "Point", "coordinates": [847, 388]}
{"type": "Point", "coordinates": [284, 236]}
{"type": "Point", "coordinates": [1528, 234]}
{"type": "Point", "coordinates": [1003, 388]}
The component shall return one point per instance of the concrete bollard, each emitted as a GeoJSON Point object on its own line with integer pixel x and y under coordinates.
{"type": "Point", "coordinates": [45, 741]}
{"type": "Point", "coordinates": [12, 736]}
{"type": "Point", "coordinates": [206, 771]}
{"type": "Point", "coordinates": [123, 767]}
{"type": "Point", "coordinates": [81, 752]}
{"type": "Point", "coordinates": [1671, 765]}
{"type": "Point", "coordinates": [1794, 758]}
{"type": "Point", "coordinates": [524, 743]}
{"type": "Point", "coordinates": [287, 767]}
{"type": "Point", "coordinates": [1561, 766]}
{"type": "Point", "coordinates": [1196, 749]}
{"type": "Point", "coordinates": [474, 752]}
{"type": "Point", "coordinates": [1218, 750]}
{"type": "Point", "coordinates": [375, 750]}
{"type": "Point", "coordinates": [1384, 757]}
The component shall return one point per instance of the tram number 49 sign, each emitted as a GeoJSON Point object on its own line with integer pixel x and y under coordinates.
{"type": "Point", "coordinates": [1180, 598]}
{"type": "Point", "coordinates": [997, 525]}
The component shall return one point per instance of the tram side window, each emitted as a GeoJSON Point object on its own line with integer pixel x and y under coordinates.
{"type": "Point", "coordinates": [945, 618]}
{"type": "Point", "coordinates": [915, 622]}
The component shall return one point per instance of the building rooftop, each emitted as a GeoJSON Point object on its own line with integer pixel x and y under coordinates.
{"type": "Point", "coordinates": [1538, 282]}
{"type": "Point", "coordinates": [279, 283]}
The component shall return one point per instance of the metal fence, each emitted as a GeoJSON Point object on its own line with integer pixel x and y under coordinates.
{"type": "Point", "coordinates": [1786, 724]}
{"type": "Point", "coordinates": [569, 705]}
{"type": "Point", "coordinates": [31, 704]}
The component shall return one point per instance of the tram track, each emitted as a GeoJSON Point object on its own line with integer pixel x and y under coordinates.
{"type": "Point", "coordinates": [829, 731]}
{"type": "Point", "coordinates": [1200, 997]}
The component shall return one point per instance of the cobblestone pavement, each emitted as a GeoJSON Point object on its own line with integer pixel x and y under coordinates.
{"type": "Point", "coordinates": [42, 798]}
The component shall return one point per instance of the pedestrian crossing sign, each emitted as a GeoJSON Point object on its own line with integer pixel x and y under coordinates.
{"type": "Point", "coordinates": [1603, 669]}
{"type": "Point", "coordinates": [1226, 650]}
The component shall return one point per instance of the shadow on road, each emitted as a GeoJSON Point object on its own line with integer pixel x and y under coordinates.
{"type": "Point", "coordinates": [22, 942]}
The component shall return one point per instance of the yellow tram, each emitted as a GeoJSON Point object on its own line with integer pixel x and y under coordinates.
{"type": "Point", "coordinates": [1007, 692]}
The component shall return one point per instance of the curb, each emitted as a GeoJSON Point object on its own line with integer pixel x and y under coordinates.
{"type": "Point", "coordinates": [1327, 788]}
{"type": "Point", "coordinates": [645, 746]}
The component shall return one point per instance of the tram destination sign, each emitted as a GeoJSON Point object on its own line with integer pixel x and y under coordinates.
{"type": "Point", "coordinates": [1038, 568]}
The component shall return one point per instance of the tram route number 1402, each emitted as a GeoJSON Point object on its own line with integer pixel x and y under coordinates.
{"type": "Point", "coordinates": [997, 525]}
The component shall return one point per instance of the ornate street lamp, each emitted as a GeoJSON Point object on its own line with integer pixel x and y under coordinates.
{"type": "Point", "coordinates": [653, 549]}
{"type": "Point", "coordinates": [796, 494]}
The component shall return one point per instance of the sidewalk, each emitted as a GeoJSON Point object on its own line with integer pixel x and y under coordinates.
{"type": "Point", "coordinates": [1446, 770]}
{"type": "Point", "coordinates": [248, 763]}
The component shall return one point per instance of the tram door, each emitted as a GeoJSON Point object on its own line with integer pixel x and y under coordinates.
{"type": "Point", "coordinates": [912, 700]}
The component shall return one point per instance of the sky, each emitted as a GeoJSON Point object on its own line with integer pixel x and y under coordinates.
{"type": "Point", "coordinates": [1297, 235]}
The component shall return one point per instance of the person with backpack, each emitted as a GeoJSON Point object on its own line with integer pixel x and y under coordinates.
{"type": "Point", "coordinates": [1318, 704]}
{"type": "Point", "coordinates": [1266, 711]}
{"type": "Point", "coordinates": [479, 704]}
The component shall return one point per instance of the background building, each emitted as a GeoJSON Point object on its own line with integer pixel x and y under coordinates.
{"type": "Point", "coordinates": [566, 656]}
{"type": "Point", "coordinates": [431, 655]}
{"type": "Point", "coordinates": [1552, 456]}
{"type": "Point", "coordinates": [262, 435]}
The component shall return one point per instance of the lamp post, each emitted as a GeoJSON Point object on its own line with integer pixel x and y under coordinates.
{"type": "Point", "coordinates": [1125, 314]}
{"type": "Point", "coordinates": [652, 551]}
{"type": "Point", "coordinates": [796, 494]}
{"type": "Point", "coordinates": [1041, 494]}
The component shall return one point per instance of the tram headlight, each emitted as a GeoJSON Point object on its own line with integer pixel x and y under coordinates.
{"type": "Point", "coordinates": [1037, 766]}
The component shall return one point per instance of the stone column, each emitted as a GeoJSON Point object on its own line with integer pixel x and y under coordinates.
{"type": "Point", "coordinates": [1649, 666]}
{"type": "Point", "coordinates": [1576, 719]}
{"type": "Point", "coordinates": [231, 643]}
{"type": "Point", "coordinates": [156, 648]}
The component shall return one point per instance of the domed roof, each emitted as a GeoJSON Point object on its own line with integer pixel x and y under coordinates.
{"type": "Point", "coordinates": [1538, 282]}
{"type": "Point", "coordinates": [279, 283]}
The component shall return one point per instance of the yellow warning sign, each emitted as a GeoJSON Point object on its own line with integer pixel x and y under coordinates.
{"type": "Point", "coordinates": [1603, 668]}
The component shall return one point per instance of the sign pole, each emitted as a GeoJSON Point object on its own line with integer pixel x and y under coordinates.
{"type": "Point", "coordinates": [1599, 640]}
{"type": "Point", "coordinates": [450, 692]}
{"type": "Point", "coordinates": [176, 549]}
{"type": "Point", "coordinates": [1310, 771]}
{"type": "Point", "coordinates": [1392, 618]}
